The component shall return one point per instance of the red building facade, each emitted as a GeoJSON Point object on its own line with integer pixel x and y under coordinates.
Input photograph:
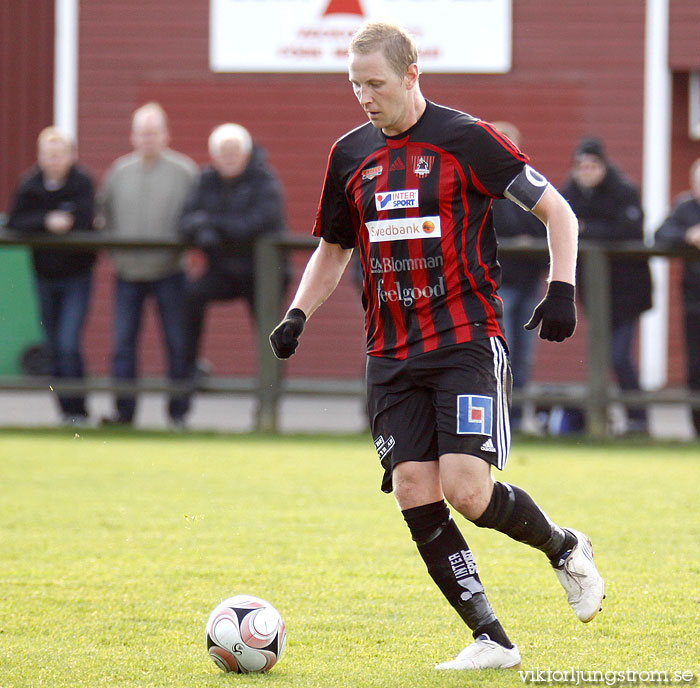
{"type": "Point", "coordinates": [577, 68]}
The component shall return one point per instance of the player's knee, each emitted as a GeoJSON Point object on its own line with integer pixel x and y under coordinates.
{"type": "Point", "coordinates": [415, 483]}
{"type": "Point", "coordinates": [470, 499]}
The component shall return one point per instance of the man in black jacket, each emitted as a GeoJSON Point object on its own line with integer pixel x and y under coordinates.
{"type": "Point", "coordinates": [609, 209]}
{"type": "Point", "coordinates": [682, 228]}
{"type": "Point", "coordinates": [56, 196]}
{"type": "Point", "coordinates": [235, 201]}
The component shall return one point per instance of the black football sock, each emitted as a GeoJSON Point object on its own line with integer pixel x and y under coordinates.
{"type": "Point", "coordinates": [495, 632]}
{"type": "Point", "coordinates": [451, 565]}
{"type": "Point", "coordinates": [513, 512]}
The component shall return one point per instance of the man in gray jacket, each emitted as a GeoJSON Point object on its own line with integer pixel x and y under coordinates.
{"type": "Point", "coordinates": [143, 196]}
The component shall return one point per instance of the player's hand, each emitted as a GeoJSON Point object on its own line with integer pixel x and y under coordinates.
{"type": "Point", "coordinates": [556, 312]}
{"type": "Point", "coordinates": [284, 339]}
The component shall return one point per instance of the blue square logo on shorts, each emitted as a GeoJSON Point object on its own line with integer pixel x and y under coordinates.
{"type": "Point", "coordinates": [474, 414]}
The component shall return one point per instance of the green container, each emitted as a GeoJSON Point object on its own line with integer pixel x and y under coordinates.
{"type": "Point", "coordinates": [20, 325]}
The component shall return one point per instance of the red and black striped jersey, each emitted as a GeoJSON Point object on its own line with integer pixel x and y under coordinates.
{"type": "Point", "coordinates": [418, 208]}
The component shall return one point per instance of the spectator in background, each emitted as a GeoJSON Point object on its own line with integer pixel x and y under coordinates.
{"type": "Point", "coordinates": [609, 209]}
{"type": "Point", "coordinates": [235, 201]}
{"type": "Point", "coordinates": [521, 281]}
{"type": "Point", "coordinates": [682, 228]}
{"type": "Point", "coordinates": [56, 196]}
{"type": "Point", "coordinates": [143, 196]}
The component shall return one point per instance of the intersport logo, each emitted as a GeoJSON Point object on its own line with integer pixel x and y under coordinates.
{"type": "Point", "coordinates": [396, 200]}
{"type": "Point", "coordinates": [407, 228]}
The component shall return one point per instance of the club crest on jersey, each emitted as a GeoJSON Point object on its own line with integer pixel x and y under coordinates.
{"type": "Point", "coordinates": [474, 414]}
{"type": "Point", "coordinates": [422, 164]}
{"type": "Point", "coordinates": [372, 172]}
{"type": "Point", "coordinates": [396, 200]}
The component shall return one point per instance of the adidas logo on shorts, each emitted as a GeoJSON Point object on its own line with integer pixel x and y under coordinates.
{"type": "Point", "coordinates": [488, 446]}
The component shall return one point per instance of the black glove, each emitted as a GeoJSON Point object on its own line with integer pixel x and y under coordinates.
{"type": "Point", "coordinates": [284, 339]}
{"type": "Point", "coordinates": [556, 312]}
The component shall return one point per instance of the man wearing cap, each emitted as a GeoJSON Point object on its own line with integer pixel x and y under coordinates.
{"type": "Point", "coordinates": [609, 209]}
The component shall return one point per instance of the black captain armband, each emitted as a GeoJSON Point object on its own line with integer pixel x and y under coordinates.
{"type": "Point", "coordinates": [527, 188]}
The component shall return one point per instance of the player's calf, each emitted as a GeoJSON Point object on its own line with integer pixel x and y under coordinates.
{"type": "Point", "coordinates": [513, 512]}
{"type": "Point", "coordinates": [451, 565]}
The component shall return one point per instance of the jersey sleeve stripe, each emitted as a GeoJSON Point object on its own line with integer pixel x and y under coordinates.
{"type": "Point", "coordinates": [478, 184]}
{"type": "Point", "coordinates": [316, 231]}
{"type": "Point", "coordinates": [503, 140]}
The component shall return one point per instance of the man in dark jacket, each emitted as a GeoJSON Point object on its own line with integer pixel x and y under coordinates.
{"type": "Point", "coordinates": [56, 196]}
{"type": "Point", "coordinates": [682, 228]}
{"type": "Point", "coordinates": [609, 209]}
{"type": "Point", "coordinates": [235, 201]}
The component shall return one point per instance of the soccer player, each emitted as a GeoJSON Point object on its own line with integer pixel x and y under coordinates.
{"type": "Point", "coordinates": [412, 191]}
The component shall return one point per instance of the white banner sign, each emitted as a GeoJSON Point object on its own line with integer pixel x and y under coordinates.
{"type": "Point", "coordinates": [469, 36]}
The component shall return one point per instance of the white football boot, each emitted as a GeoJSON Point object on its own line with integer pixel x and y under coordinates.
{"type": "Point", "coordinates": [484, 653]}
{"type": "Point", "coordinates": [580, 579]}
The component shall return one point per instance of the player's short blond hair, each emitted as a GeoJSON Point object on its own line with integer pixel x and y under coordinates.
{"type": "Point", "coordinates": [50, 134]}
{"type": "Point", "coordinates": [396, 44]}
{"type": "Point", "coordinates": [230, 132]}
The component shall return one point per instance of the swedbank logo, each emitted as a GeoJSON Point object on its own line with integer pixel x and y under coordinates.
{"type": "Point", "coordinates": [405, 228]}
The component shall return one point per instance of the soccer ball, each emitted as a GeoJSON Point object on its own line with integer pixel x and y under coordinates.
{"type": "Point", "coordinates": [245, 635]}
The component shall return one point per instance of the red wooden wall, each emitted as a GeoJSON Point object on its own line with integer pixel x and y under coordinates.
{"type": "Point", "coordinates": [684, 43]}
{"type": "Point", "coordinates": [577, 69]}
{"type": "Point", "coordinates": [26, 85]}
{"type": "Point", "coordinates": [574, 72]}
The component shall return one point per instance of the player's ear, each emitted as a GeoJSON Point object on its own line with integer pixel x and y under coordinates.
{"type": "Point", "coordinates": [412, 74]}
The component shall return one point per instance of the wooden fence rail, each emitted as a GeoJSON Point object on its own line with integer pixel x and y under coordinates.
{"type": "Point", "coordinates": [269, 386]}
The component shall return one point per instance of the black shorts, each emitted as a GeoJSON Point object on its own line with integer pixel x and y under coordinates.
{"type": "Point", "coordinates": [451, 400]}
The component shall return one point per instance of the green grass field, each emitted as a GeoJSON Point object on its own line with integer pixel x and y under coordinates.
{"type": "Point", "coordinates": [115, 547]}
